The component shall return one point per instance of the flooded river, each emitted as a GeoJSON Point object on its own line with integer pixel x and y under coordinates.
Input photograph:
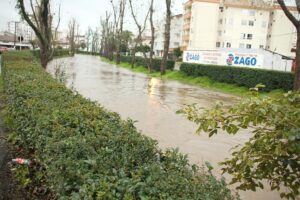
{"type": "Point", "coordinates": [153, 103]}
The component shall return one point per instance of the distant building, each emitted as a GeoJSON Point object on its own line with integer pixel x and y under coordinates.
{"type": "Point", "coordinates": [22, 30]}
{"type": "Point", "coordinates": [10, 41]}
{"type": "Point", "coordinates": [247, 24]}
{"type": "Point", "coordinates": [175, 35]}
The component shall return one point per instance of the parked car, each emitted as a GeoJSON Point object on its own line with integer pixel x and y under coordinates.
{"type": "Point", "coordinates": [3, 49]}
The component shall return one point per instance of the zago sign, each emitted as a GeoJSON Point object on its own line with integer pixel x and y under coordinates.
{"type": "Point", "coordinates": [241, 60]}
{"type": "Point", "coordinates": [224, 58]}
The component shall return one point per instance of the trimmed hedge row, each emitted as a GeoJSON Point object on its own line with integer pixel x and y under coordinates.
{"type": "Point", "coordinates": [57, 53]}
{"type": "Point", "coordinates": [87, 53]}
{"type": "Point", "coordinates": [242, 76]}
{"type": "Point", "coordinates": [87, 152]}
{"type": "Point", "coordinates": [140, 61]}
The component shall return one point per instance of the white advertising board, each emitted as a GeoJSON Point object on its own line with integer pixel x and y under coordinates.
{"type": "Point", "coordinates": [253, 60]}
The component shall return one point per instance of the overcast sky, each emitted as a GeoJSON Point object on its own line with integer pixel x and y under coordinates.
{"type": "Point", "coordinates": [86, 12]}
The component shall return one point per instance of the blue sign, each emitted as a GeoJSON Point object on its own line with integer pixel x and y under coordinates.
{"type": "Point", "coordinates": [192, 57]}
{"type": "Point", "coordinates": [241, 60]}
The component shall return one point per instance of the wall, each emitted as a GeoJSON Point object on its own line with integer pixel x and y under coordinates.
{"type": "Point", "coordinates": [203, 26]}
{"type": "Point", "coordinates": [281, 39]}
{"type": "Point", "coordinates": [259, 59]}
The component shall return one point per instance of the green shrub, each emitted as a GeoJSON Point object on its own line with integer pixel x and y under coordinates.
{"type": "Point", "coordinates": [242, 76]}
{"type": "Point", "coordinates": [87, 53]}
{"type": "Point", "coordinates": [87, 152]}
{"type": "Point", "coordinates": [140, 61]}
{"type": "Point", "coordinates": [57, 53]}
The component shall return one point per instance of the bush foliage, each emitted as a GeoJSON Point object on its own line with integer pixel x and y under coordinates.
{"type": "Point", "coordinates": [87, 152]}
{"type": "Point", "coordinates": [56, 53]}
{"type": "Point", "coordinates": [140, 61]}
{"type": "Point", "coordinates": [242, 76]}
{"type": "Point", "coordinates": [272, 153]}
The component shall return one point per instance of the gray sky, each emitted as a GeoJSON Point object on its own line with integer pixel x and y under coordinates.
{"type": "Point", "coordinates": [86, 12]}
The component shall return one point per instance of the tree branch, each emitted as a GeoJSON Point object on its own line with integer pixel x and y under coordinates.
{"type": "Point", "coordinates": [34, 15]}
{"type": "Point", "coordinates": [56, 29]}
{"type": "Point", "coordinates": [27, 19]}
{"type": "Point", "coordinates": [288, 13]}
{"type": "Point", "coordinates": [298, 5]}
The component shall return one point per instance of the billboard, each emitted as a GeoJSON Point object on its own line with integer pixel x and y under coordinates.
{"type": "Point", "coordinates": [254, 60]}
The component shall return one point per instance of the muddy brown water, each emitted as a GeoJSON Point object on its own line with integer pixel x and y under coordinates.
{"type": "Point", "coordinates": [153, 103]}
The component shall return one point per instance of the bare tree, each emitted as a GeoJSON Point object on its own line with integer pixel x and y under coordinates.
{"type": "Point", "coordinates": [71, 35]}
{"type": "Point", "coordinates": [118, 13]}
{"type": "Point", "coordinates": [41, 24]}
{"type": "Point", "coordinates": [167, 38]}
{"type": "Point", "coordinates": [141, 29]}
{"type": "Point", "coordinates": [152, 36]}
{"type": "Point", "coordinates": [107, 38]}
{"type": "Point", "coordinates": [95, 41]}
{"type": "Point", "coordinates": [88, 38]}
{"type": "Point", "coordinates": [296, 23]}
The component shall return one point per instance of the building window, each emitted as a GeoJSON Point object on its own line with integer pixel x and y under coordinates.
{"type": "Point", "coordinates": [248, 46]}
{"type": "Point", "coordinates": [244, 22]}
{"type": "Point", "coordinates": [243, 36]}
{"type": "Point", "coordinates": [249, 36]}
{"type": "Point", "coordinates": [251, 23]}
{"type": "Point", "coordinates": [220, 21]}
{"type": "Point", "coordinates": [176, 44]}
{"type": "Point", "coordinates": [230, 22]}
{"type": "Point", "coordinates": [252, 12]}
{"type": "Point", "coordinates": [228, 44]}
{"type": "Point", "coordinates": [218, 44]}
{"type": "Point", "coordinates": [264, 24]}
{"type": "Point", "coordinates": [242, 46]}
{"type": "Point", "coordinates": [220, 33]}
{"type": "Point", "coordinates": [261, 46]}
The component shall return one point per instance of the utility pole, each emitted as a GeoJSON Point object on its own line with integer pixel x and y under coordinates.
{"type": "Point", "coordinates": [15, 36]}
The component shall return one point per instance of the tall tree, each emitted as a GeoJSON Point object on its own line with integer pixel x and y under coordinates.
{"type": "Point", "coordinates": [141, 28]}
{"type": "Point", "coordinates": [88, 36]}
{"type": "Point", "coordinates": [152, 35]}
{"type": "Point", "coordinates": [118, 13]}
{"type": "Point", "coordinates": [167, 38]}
{"type": "Point", "coordinates": [296, 23]}
{"type": "Point", "coordinates": [71, 35]}
{"type": "Point", "coordinates": [41, 24]}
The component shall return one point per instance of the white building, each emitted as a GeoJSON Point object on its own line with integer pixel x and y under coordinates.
{"type": "Point", "coordinates": [247, 24]}
{"type": "Point", "coordinates": [21, 29]}
{"type": "Point", "coordinates": [175, 35]}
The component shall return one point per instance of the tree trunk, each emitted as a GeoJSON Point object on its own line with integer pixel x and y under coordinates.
{"type": "Point", "coordinates": [167, 38]}
{"type": "Point", "coordinates": [133, 56]}
{"type": "Point", "coordinates": [44, 57]}
{"type": "Point", "coordinates": [297, 72]}
{"type": "Point", "coordinates": [152, 37]}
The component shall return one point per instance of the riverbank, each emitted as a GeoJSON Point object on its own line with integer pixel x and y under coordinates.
{"type": "Point", "coordinates": [204, 82]}
{"type": "Point", "coordinates": [82, 150]}
{"type": "Point", "coordinates": [152, 104]}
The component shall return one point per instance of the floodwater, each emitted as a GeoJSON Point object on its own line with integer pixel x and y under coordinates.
{"type": "Point", "coordinates": [153, 103]}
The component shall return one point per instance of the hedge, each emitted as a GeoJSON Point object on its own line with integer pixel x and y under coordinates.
{"type": "Point", "coordinates": [140, 61]}
{"type": "Point", "coordinates": [242, 76]}
{"type": "Point", "coordinates": [87, 152]}
{"type": "Point", "coordinates": [57, 53]}
{"type": "Point", "coordinates": [87, 53]}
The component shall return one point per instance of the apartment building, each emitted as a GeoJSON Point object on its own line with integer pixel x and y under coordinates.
{"type": "Point", "coordinates": [175, 35]}
{"type": "Point", "coordinates": [21, 29]}
{"type": "Point", "coordinates": [237, 24]}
